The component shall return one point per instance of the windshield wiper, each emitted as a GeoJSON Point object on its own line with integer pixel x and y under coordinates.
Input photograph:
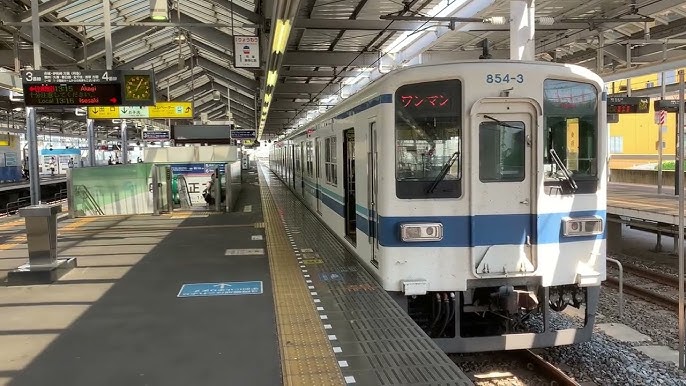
{"type": "Point", "coordinates": [501, 123]}
{"type": "Point", "coordinates": [444, 171]}
{"type": "Point", "coordinates": [565, 171]}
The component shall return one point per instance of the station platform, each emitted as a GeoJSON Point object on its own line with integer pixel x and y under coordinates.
{"type": "Point", "coordinates": [643, 202]}
{"type": "Point", "coordinates": [261, 296]}
{"type": "Point", "coordinates": [44, 180]}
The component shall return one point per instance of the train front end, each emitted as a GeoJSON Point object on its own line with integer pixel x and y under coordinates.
{"type": "Point", "coordinates": [497, 217]}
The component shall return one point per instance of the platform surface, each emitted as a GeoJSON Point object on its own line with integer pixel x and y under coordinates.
{"type": "Point", "coordinates": [124, 317]}
{"type": "Point", "coordinates": [116, 319]}
{"type": "Point", "coordinates": [376, 342]}
{"type": "Point", "coordinates": [643, 202]}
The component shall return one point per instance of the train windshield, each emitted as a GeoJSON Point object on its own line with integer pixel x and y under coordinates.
{"type": "Point", "coordinates": [570, 133]}
{"type": "Point", "coordinates": [428, 132]}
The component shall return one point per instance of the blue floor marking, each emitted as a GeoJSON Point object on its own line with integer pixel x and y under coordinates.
{"type": "Point", "coordinates": [220, 289]}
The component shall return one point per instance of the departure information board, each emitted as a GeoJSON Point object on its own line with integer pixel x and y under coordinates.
{"type": "Point", "coordinates": [628, 105]}
{"type": "Point", "coordinates": [88, 88]}
{"type": "Point", "coordinates": [669, 105]}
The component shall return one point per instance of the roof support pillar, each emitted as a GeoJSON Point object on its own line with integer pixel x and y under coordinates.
{"type": "Point", "coordinates": [522, 43]}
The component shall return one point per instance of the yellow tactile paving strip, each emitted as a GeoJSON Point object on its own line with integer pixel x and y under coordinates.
{"type": "Point", "coordinates": [21, 238]}
{"type": "Point", "coordinates": [306, 354]}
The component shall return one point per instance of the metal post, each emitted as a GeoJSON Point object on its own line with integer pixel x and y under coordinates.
{"type": "Point", "coordinates": [90, 133]}
{"type": "Point", "coordinates": [17, 63]}
{"type": "Point", "coordinates": [682, 337]}
{"type": "Point", "coordinates": [35, 35]}
{"type": "Point", "coordinates": [124, 143]}
{"type": "Point", "coordinates": [155, 191]}
{"type": "Point", "coordinates": [168, 177]}
{"type": "Point", "coordinates": [628, 87]}
{"type": "Point", "coordinates": [108, 33]}
{"type": "Point", "coordinates": [227, 185]}
{"type": "Point", "coordinates": [32, 138]}
{"type": "Point", "coordinates": [217, 191]}
{"type": "Point", "coordinates": [600, 60]}
{"type": "Point", "coordinates": [621, 286]}
{"type": "Point", "coordinates": [522, 30]}
{"type": "Point", "coordinates": [660, 139]}
{"type": "Point", "coordinates": [70, 194]}
{"type": "Point", "coordinates": [31, 130]}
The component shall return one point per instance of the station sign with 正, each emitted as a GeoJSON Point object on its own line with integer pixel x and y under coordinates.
{"type": "Point", "coordinates": [156, 135]}
{"type": "Point", "coordinates": [161, 110]}
{"type": "Point", "coordinates": [243, 134]}
{"type": "Point", "coordinates": [628, 105]}
{"type": "Point", "coordinates": [88, 88]}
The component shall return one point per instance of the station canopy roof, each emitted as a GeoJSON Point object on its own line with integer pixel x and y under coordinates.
{"type": "Point", "coordinates": [332, 48]}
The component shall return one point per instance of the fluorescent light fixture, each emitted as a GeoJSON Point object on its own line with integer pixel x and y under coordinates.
{"type": "Point", "coordinates": [267, 97]}
{"type": "Point", "coordinates": [281, 33]}
{"type": "Point", "coordinates": [159, 10]}
{"type": "Point", "coordinates": [444, 8]}
{"type": "Point", "coordinates": [271, 78]}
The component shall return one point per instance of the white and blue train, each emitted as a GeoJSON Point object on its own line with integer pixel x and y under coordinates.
{"type": "Point", "coordinates": [475, 192]}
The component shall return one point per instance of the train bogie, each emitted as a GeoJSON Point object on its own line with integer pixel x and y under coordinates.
{"type": "Point", "coordinates": [474, 192]}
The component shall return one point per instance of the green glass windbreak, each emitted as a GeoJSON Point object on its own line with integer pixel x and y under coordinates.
{"type": "Point", "coordinates": [112, 190]}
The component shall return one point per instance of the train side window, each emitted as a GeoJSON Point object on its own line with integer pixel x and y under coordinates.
{"type": "Point", "coordinates": [428, 135]}
{"type": "Point", "coordinates": [330, 167]}
{"type": "Point", "coordinates": [501, 151]}
{"type": "Point", "coordinates": [570, 111]}
{"type": "Point", "coordinates": [308, 161]}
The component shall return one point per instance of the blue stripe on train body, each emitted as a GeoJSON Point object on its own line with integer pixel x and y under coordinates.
{"type": "Point", "coordinates": [505, 228]}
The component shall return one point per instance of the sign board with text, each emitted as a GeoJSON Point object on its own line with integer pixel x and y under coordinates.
{"type": "Point", "coordinates": [156, 135]}
{"type": "Point", "coordinates": [243, 134]}
{"type": "Point", "coordinates": [246, 51]}
{"type": "Point", "coordinates": [88, 88]}
{"type": "Point", "coordinates": [162, 110]}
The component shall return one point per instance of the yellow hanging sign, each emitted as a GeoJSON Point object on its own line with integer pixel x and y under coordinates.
{"type": "Point", "coordinates": [161, 110]}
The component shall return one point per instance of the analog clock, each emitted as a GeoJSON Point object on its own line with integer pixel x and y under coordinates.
{"type": "Point", "coordinates": [138, 87]}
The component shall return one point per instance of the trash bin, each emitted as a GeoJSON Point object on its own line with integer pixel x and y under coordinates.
{"type": "Point", "coordinates": [41, 233]}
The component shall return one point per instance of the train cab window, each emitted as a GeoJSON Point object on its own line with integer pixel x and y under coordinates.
{"type": "Point", "coordinates": [428, 135]}
{"type": "Point", "coordinates": [501, 151]}
{"type": "Point", "coordinates": [570, 137]}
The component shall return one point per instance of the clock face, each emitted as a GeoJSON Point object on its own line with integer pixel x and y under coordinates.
{"type": "Point", "coordinates": [138, 87]}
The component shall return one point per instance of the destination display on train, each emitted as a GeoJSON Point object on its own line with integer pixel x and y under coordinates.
{"type": "Point", "coordinates": [628, 105]}
{"type": "Point", "coordinates": [88, 88]}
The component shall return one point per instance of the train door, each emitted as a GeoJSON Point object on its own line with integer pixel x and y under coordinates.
{"type": "Point", "coordinates": [349, 185]}
{"type": "Point", "coordinates": [502, 187]}
{"type": "Point", "coordinates": [372, 191]}
{"type": "Point", "coordinates": [303, 167]}
{"type": "Point", "coordinates": [288, 164]}
{"type": "Point", "coordinates": [317, 175]}
{"type": "Point", "coordinates": [292, 166]}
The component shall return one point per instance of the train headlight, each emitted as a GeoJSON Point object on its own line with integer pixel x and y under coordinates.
{"type": "Point", "coordinates": [582, 226]}
{"type": "Point", "coordinates": [414, 232]}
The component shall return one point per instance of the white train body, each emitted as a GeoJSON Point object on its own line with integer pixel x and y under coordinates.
{"type": "Point", "coordinates": [506, 232]}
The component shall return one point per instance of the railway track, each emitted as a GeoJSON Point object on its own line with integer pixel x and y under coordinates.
{"type": "Point", "coordinates": [519, 367]}
{"type": "Point", "coordinates": [646, 294]}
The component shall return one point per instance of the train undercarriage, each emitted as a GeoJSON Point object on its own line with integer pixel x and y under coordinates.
{"type": "Point", "coordinates": [502, 315]}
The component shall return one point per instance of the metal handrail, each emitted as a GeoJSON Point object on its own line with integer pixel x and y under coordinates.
{"type": "Point", "coordinates": [621, 286]}
{"type": "Point", "coordinates": [82, 189]}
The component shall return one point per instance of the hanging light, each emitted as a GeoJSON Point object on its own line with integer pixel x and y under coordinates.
{"type": "Point", "coordinates": [159, 10]}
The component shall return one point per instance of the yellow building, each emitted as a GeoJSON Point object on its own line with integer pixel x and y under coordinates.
{"type": "Point", "coordinates": [633, 140]}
